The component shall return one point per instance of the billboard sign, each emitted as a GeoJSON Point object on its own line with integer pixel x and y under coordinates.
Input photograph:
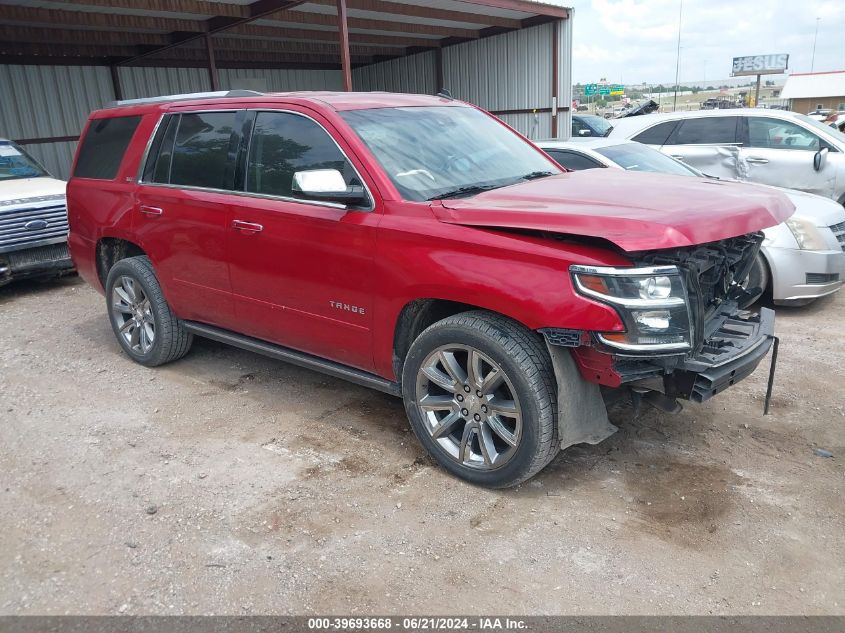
{"type": "Point", "coordinates": [760, 65]}
{"type": "Point", "coordinates": [591, 90]}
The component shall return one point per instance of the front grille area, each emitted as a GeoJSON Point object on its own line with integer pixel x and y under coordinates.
{"type": "Point", "coordinates": [839, 232]}
{"type": "Point", "coordinates": [818, 279]}
{"type": "Point", "coordinates": [14, 233]}
{"type": "Point", "coordinates": [38, 255]}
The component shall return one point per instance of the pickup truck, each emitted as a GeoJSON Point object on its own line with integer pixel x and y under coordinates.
{"type": "Point", "coordinates": [419, 246]}
{"type": "Point", "coordinates": [33, 218]}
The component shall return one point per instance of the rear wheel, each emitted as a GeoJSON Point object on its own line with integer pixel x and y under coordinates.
{"type": "Point", "coordinates": [143, 323]}
{"type": "Point", "coordinates": [479, 391]}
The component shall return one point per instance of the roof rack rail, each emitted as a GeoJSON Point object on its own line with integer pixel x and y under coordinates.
{"type": "Point", "coordinates": [220, 94]}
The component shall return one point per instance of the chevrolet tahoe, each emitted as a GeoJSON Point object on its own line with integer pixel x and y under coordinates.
{"type": "Point", "coordinates": [419, 246]}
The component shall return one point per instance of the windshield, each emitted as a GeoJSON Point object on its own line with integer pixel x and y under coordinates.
{"type": "Point", "coordinates": [599, 124]}
{"type": "Point", "coordinates": [446, 151]}
{"type": "Point", "coordinates": [819, 126]}
{"type": "Point", "coordinates": [636, 157]}
{"type": "Point", "coordinates": [15, 163]}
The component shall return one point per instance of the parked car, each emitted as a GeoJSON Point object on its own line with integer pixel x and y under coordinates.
{"type": "Point", "coordinates": [33, 218]}
{"type": "Point", "coordinates": [590, 125]}
{"type": "Point", "coordinates": [801, 259]}
{"type": "Point", "coordinates": [418, 246]}
{"type": "Point", "coordinates": [771, 147]}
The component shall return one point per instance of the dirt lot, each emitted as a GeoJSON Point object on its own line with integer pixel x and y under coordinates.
{"type": "Point", "coordinates": [230, 483]}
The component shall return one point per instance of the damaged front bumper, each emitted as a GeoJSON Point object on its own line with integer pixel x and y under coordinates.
{"type": "Point", "coordinates": [589, 378]}
{"type": "Point", "coordinates": [729, 354]}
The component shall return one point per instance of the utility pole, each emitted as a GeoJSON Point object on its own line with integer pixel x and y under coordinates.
{"type": "Point", "coordinates": [678, 56]}
{"type": "Point", "coordinates": [815, 37]}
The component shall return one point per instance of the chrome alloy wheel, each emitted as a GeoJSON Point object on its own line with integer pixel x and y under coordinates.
{"type": "Point", "coordinates": [132, 313]}
{"type": "Point", "coordinates": [469, 406]}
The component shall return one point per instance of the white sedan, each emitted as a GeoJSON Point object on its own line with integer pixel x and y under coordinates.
{"type": "Point", "coordinates": [801, 259]}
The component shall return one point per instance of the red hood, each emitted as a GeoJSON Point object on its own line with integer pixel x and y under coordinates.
{"type": "Point", "coordinates": [635, 211]}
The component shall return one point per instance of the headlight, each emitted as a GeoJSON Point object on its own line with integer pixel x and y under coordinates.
{"type": "Point", "coordinates": [807, 234]}
{"type": "Point", "coordinates": [652, 303]}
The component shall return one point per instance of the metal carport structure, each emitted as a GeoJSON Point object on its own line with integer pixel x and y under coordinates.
{"type": "Point", "coordinates": [60, 59]}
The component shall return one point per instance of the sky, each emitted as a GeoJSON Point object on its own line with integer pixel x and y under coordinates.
{"type": "Point", "coordinates": [635, 41]}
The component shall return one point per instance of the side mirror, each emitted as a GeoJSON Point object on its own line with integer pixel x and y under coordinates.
{"type": "Point", "coordinates": [820, 158]}
{"type": "Point", "coordinates": [584, 133]}
{"type": "Point", "coordinates": [327, 185]}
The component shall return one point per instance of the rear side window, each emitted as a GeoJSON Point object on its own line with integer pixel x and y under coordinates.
{"type": "Point", "coordinates": [104, 146]}
{"type": "Point", "coordinates": [656, 135]}
{"type": "Point", "coordinates": [713, 130]}
{"type": "Point", "coordinates": [571, 160]}
{"type": "Point", "coordinates": [284, 143]}
{"type": "Point", "coordinates": [203, 152]}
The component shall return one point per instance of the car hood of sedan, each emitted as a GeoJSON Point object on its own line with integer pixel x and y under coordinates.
{"type": "Point", "coordinates": [818, 209]}
{"type": "Point", "coordinates": [635, 211]}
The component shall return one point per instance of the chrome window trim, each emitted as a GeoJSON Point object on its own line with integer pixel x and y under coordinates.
{"type": "Point", "coordinates": [252, 194]}
{"type": "Point", "coordinates": [146, 155]}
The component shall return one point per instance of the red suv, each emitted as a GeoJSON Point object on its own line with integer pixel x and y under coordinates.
{"type": "Point", "coordinates": [419, 246]}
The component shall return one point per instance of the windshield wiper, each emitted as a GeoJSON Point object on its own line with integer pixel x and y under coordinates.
{"type": "Point", "coordinates": [468, 190]}
{"type": "Point", "coordinates": [536, 174]}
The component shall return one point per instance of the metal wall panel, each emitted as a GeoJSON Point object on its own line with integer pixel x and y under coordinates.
{"type": "Point", "coordinates": [564, 78]}
{"type": "Point", "coordinates": [511, 71]}
{"type": "Point", "coordinates": [280, 79]}
{"type": "Point", "coordinates": [48, 101]}
{"type": "Point", "coordinates": [41, 101]}
{"type": "Point", "coordinates": [415, 74]}
{"type": "Point", "coordinates": [535, 126]}
{"type": "Point", "coordinates": [137, 82]}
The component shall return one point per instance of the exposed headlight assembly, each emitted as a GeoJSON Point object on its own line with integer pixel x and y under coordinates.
{"type": "Point", "coordinates": [652, 303]}
{"type": "Point", "coordinates": [808, 236]}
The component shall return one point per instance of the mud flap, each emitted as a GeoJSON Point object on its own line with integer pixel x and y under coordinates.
{"type": "Point", "coordinates": [581, 413]}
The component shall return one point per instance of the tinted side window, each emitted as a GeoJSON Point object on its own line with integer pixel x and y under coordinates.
{"type": "Point", "coordinates": [777, 134]}
{"type": "Point", "coordinates": [203, 154]}
{"type": "Point", "coordinates": [284, 143]}
{"type": "Point", "coordinates": [707, 131]}
{"type": "Point", "coordinates": [656, 135]}
{"type": "Point", "coordinates": [103, 147]}
{"type": "Point", "coordinates": [573, 161]}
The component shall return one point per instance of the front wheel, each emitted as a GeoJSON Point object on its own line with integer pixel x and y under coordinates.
{"type": "Point", "coordinates": [143, 323]}
{"type": "Point", "coordinates": [758, 277]}
{"type": "Point", "coordinates": [479, 390]}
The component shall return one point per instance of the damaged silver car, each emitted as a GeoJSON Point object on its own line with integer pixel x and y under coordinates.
{"type": "Point", "coordinates": [800, 260]}
{"type": "Point", "coordinates": [770, 147]}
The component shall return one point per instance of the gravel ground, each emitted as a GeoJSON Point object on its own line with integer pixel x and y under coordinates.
{"type": "Point", "coordinates": [229, 483]}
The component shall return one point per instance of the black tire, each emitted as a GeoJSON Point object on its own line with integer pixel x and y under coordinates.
{"type": "Point", "coordinates": [523, 357]}
{"type": "Point", "coordinates": [171, 340]}
{"type": "Point", "coordinates": [758, 277]}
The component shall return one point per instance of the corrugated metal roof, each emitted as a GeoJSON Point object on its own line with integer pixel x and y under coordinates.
{"type": "Point", "coordinates": [804, 85]}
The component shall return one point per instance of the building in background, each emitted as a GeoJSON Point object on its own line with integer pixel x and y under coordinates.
{"type": "Point", "coordinates": [815, 91]}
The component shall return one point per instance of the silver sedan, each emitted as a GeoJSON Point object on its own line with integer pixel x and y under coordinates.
{"type": "Point", "coordinates": [801, 259]}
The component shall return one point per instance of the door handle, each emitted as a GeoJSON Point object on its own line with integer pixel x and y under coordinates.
{"type": "Point", "coordinates": [151, 211]}
{"type": "Point", "coordinates": [247, 227]}
{"type": "Point", "coordinates": [677, 157]}
{"type": "Point", "coordinates": [757, 161]}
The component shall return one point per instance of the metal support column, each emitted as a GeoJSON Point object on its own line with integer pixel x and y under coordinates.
{"type": "Point", "coordinates": [343, 32]}
{"type": "Point", "coordinates": [212, 65]}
